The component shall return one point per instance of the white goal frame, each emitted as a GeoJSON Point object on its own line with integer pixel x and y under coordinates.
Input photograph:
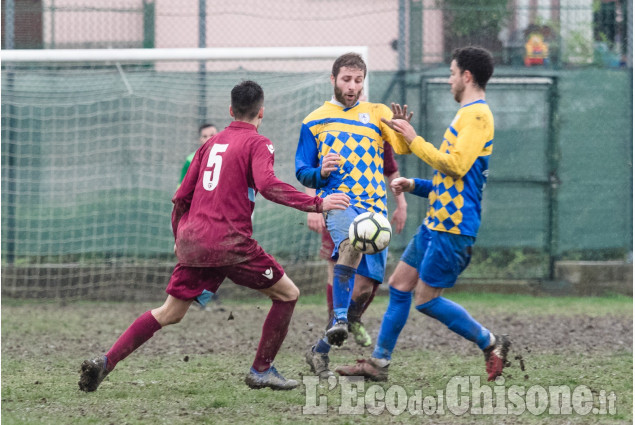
{"type": "Point", "coordinates": [183, 54]}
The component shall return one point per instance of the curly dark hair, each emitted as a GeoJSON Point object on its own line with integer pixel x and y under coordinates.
{"type": "Point", "coordinates": [477, 60]}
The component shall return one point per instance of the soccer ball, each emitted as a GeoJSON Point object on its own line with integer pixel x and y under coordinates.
{"type": "Point", "coordinates": [370, 233]}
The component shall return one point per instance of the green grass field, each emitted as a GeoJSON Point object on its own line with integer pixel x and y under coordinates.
{"type": "Point", "coordinates": [193, 372]}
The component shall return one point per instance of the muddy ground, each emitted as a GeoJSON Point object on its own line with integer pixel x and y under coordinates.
{"type": "Point", "coordinates": [237, 327]}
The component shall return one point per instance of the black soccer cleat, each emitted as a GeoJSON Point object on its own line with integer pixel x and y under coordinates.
{"type": "Point", "coordinates": [93, 373]}
{"type": "Point", "coordinates": [337, 334]}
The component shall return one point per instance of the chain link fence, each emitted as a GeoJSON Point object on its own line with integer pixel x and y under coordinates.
{"type": "Point", "coordinates": [91, 152]}
{"type": "Point", "coordinates": [401, 34]}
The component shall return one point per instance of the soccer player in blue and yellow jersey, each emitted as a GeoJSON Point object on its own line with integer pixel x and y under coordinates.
{"type": "Point", "coordinates": [341, 149]}
{"type": "Point", "coordinates": [442, 248]}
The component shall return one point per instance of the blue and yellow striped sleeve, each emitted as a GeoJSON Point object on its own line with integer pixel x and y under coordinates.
{"type": "Point", "coordinates": [462, 147]}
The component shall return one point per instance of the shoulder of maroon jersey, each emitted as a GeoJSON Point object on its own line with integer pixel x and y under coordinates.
{"type": "Point", "coordinates": [259, 139]}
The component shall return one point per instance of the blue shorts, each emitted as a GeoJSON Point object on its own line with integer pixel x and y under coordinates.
{"type": "Point", "coordinates": [337, 223]}
{"type": "Point", "coordinates": [440, 257]}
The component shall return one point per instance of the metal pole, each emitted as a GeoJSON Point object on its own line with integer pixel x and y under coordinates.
{"type": "Point", "coordinates": [52, 24]}
{"type": "Point", "coordinates": [628, 37]}
{"type": "Point", "coordinates": [401, 43]}
{"type": "Point", "coordinates": [9, 19]}
{"type": "Point", "coordinates": [553, 162]}
{"type": "Point", "coordinates": [202, 90]}
{"type": "Point", "coordinates": [401, 50]}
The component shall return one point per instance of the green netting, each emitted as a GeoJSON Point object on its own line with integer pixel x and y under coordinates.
{"type": "Point", "coordinates": [91, 158]}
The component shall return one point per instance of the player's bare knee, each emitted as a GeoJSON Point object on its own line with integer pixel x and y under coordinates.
{"type": "Point", "coordinates": [289, 292]}
{"type": "Point", "coordinates": [347, 255]}
{"type": "Point", "coordinates": [294, 293]}
{"type": "Point", "coordinates": [363, 286]}
{"type": "Point", "coordinates": [425, 293]}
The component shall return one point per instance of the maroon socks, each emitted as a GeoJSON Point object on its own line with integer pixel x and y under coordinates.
{"type": "Point", "coordinates": [139, 332]}
{"type": "Point", "coordinates": [274, 330]}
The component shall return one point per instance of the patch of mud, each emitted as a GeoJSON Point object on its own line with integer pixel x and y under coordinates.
{"type": "Point", "coordinates": [237, 329]}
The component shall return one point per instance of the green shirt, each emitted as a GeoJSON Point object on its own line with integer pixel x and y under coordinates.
{"type": "Point", "coordinates": [188, 161]}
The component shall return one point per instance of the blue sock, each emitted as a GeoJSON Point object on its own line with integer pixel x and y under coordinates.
{"type": "Point", "coordinates": [343, 282]}
{"type": "Point", "coordinates": [393, 322]}
{"type": "Point", "coordinates": [457, 319]}
{"type": "Point", "coordinates": [322, 346]}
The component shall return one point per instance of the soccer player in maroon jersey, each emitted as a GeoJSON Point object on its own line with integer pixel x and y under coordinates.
{"type": "Point", "coordinates": [211, 221]}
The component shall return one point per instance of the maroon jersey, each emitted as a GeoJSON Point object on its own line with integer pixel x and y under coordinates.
{"type": "Point", "coordinates": [211, 219]}
{"type": "Point", "coordinates": [390, 165]}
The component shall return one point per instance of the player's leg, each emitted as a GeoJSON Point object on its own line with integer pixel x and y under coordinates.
{"type": "Point", "coordinates": [180, 296]}
{"type": "Point", "coordinates": [362, 292]}
{"type": "Point", "coordinates": [447, 257]}
{"type": "Point", "coordinates": [266, 275]}
{"type": "Point", "coordinates": [344, 276]}
{"type": "Point", "coordinates": [402, 281]}
{"type": "Point", "coordinates": [337, 223]}
{"type": "Point", "coordinates": [370, 273]}
{"type": "Point", "coordinates": [284, 295]}
{"type": "Point", "coordinates": [326, 250]}
{"type": "Point", "coordinates": [370, 299]}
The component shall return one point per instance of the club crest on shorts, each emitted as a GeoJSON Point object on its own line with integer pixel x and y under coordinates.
{"type": "Point", "coordinates": [268, 273]}
{"type": "Point", "coordinates": [364, 117]}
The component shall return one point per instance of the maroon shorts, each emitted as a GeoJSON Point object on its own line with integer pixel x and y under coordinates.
{"type": "Point", "coordinates": [326, 250]}
{"type": "Point", "coordinates": [261, 272]}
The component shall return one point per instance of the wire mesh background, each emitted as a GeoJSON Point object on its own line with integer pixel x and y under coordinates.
{"type": "Point", "coordinates": [91, 153]}
{"type": "Point", "coordinates": [400, 33]}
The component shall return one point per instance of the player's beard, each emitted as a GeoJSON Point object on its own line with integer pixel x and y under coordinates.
{"type": "Point", "coordinates": [457, 91]}
{"type": "Point", "coordinates": [339, 96]}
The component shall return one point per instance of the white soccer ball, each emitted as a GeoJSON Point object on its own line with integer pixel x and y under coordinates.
{"type": "Point", "coordinates": [370, 233]}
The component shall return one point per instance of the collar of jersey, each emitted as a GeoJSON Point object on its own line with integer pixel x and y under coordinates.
{"type": "Point", "coordinates": [341, 105]}
{"type": "Point", "coordinates": [242, 124]}
{"type": "Point", "coordinates": [475, 102]}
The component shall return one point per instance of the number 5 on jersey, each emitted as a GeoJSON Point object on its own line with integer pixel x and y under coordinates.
{"type": "Point", "coordinates": [215, 161]}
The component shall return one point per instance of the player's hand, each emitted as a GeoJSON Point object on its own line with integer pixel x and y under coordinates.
{"type": "Point", "coordinates": [398, 220]}
{"type": "Point", "coordinates": [315, 221]}
{"type": "Point", "coordinates": [336, 201]}
{"type": "Point", "coordinates": [400, 113]}
{"type": "Point", "coordinates": [401, 185]}
{"type": "Point", "coordinates": [330, 163]}
{"type": "Point", "coordinates": [403, 127]}
{"type": "Point", "coordinates": [175, 248]}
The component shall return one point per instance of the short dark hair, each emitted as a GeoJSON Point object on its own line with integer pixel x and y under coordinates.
{"type": "Point", "coordinates": [247, 99]}
{"type": "Point", "coordinates": [204, 126]}
{"type": "Point", "coordinates": [349, 60]}
{"type": "Point", "coordinates": [477, 60]}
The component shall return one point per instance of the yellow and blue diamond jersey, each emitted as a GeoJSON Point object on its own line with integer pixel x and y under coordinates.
{"type": "Point", "coordinates": [461, 167]}
{"type": "Point", "coordinates": [358, 135]}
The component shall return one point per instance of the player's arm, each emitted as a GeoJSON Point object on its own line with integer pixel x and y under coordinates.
{"type": "Point", "coordinates": [315, 221]}
{"type": "Point", "coordinates": [391, 171]}
{"type": "Point", "coordinates": [396, 139]}
{"type": "Point", "coordinates": [275, 190]}
{"type": "Point", "coordinates": [461, 156]}
{"type": "Point", "coordinates": [400, 214]}
{"type": "Point", "coordinates": [419, 187]}
{"type": "Point", "coordinates": [183, 197]}
{"type": "Point", "coordinates": [307, 164]}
